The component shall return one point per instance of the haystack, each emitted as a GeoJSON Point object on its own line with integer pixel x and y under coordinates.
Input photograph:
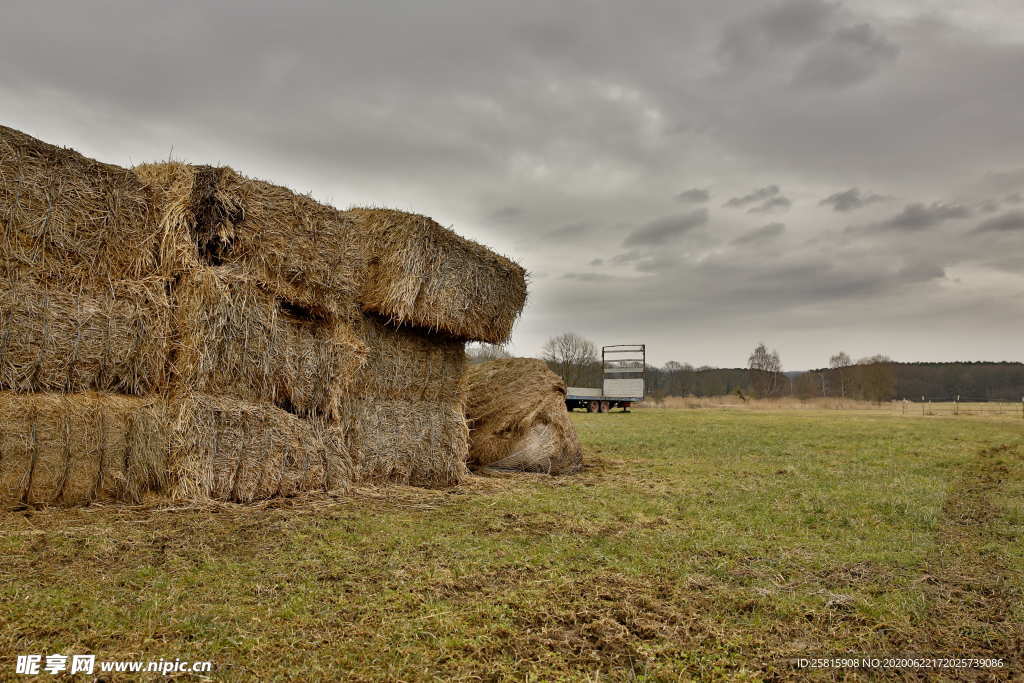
{"type": "Point", "coordinates": [246, 342]}
{"type": "Point", "coordinates": [402, 266]}
{"type": "Point", "coordinates": [405, 363]}
{"type": "Point", "coordinates": [417, 443]}
{"type": "Point", "coordinates": [412, 292]}
{"type": "Point", "coordinates": [71, 449]}
{"type": "Point", "coordinates": [516, 410]}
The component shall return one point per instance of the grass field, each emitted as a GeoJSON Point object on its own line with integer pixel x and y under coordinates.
{"type": "Point", "coordinates": [697, 543]}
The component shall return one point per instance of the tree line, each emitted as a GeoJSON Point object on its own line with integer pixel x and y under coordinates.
{"type": "Point", "coordinates": [873, 378]}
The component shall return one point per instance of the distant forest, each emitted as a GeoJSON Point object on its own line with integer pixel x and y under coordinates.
{"type": "Point", "coordinates": [882, 381]}
{"type": "Point", "coordinates": [875, 378]}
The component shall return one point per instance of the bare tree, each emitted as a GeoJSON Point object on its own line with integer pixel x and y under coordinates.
{"type": "Point", "coordinates": [841, 363]}
{"type": "Point", "coordinates": [765, 371]}
{"type": "Point", "coordinates": [482, 352]}
{"type": "Point", "coordinates": [570, 356]}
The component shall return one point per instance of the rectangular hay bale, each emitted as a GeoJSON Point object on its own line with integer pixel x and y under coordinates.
{"type": "Point", "coordinates": [72, 449]}
{"type": "Point", "coordinates": [405, 363]}
{"type": "Point", "coordinates": [112, 339]}
{"type": "Point", "coordinates": [422, 274]}
{"type": "Point", "coordinates": [417, 443]}
{"type": "Point", "coordinates": [236, 339]}
{"type": "Point", "coordinates": [69, 218]}
{"type": "Point", "coordinates": [231, 450]}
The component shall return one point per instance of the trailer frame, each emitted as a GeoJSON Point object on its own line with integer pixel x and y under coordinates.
{"type": "Point", "coordinates": [613, 366]}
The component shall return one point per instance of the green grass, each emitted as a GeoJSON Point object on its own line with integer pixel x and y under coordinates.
{"type": "Point", "coordinates": [696, 544]}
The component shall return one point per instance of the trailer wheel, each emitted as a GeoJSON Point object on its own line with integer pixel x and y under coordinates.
{"type": "Point", "coordinates": [604, 407]}
{"type": "Point", "coordinates": [591, 406]}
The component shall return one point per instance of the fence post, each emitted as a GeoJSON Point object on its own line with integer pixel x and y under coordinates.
{"type": "Point", "coordinates": [956, 405]}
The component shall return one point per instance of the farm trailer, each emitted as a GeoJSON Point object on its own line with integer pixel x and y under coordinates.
{"type": "Point", "coordinates": [623, 367]}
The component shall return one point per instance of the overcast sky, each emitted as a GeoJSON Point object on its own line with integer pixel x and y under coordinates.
{"type": "Point", "coordinates": [695, 175]}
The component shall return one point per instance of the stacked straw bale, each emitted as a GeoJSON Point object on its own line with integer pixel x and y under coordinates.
{"type": "Point", "coordinates": [516, 410]}
{"type": "Point", "coordinates": [84, 329]}
{"type": "Point", "coordinates": [226, 449]}
{"type": "Point", "coordinates": [70, 449]}
{"type": "Point", "coordinates": [69, 339]}
{"type": "Point", "coordinates": [397, 294]}
{"type": "Point", "coordinates": [265, 300]}
{"type": "Point", "coordinates": [402, 266]}
{"type": "Point", "coordinates": [300, 250]}
{"type": "Point", "coordinates": [406, 421]}
{"type": "Point", "coordinates": [82, 303]}
{"type": "Point", "coordinates": [424, 275]}
{"type": "Point", "coordinates": [186, 331]}
{"type": "Point", "coordinates": [72, 220]}
{"type": "Point", "coordinates": [406, 363]}
{"type": "Point", "coordinates": [417, 443]}
{"type": "Point", "coordinates": [236, 339]}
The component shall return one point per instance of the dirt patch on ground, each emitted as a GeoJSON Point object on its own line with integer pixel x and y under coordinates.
{"type": "Point", "coordinates": [611, 622]}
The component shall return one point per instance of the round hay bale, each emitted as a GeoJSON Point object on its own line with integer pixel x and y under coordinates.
{"type": "Point", "coordinates": [516, 410]}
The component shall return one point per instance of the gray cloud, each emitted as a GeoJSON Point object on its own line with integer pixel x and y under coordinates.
{"type": "Point", "coordinates": [819, 44]}
{"type": "Point", "coordinates": [658, 263]}
{"type": "Point", "coordinates": [507, 214]}
{"type": "Point", "coordinates": [790, 24]}
{"type": "Point", "coordinates": [596, 262]}
{"type": "Point", "coordinates": [771, 205]}
{"type": "Point", "coordinates": [694, 196]}
{"type": "Point", "coordinates": [851, 55]}
{"type": "Point", "coordinates": [920, 216]}
{"type": "Point", "coordinates": [755, 196]}
{"type": "Point", "coordinates": [851, 200]}
{"type": "Point", "coordinates": [663, 230]}
{"type": "Point", "coordinates": [765, 233]}
{"type": "Point", "coordinates": [920, 271]}
{"type": "Point", "coordinates": [1005, 181]}
{"type": "Point", "coordinates": [626, 257]}
{"type": "Point", "coordinates": [569, 230]}
{"type": "Point", "coordinates": [1008, 222]}
{"type": "Point", "coordinates": [587, 277]}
